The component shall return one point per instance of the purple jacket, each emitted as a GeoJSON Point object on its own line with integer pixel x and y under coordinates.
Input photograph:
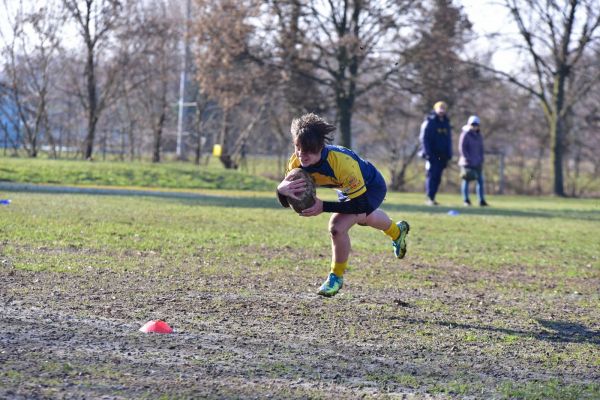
{"type": "Point", "coordinates": [470, 147]}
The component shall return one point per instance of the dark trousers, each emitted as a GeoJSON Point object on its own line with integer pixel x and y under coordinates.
{"type": "Point", "coordinates": [433, 178]}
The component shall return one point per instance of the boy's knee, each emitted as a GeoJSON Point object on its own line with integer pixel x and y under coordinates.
{"type": "Point", "coordinates": [339, 226]}
{"type": "Point", "coordinates": [333, 230]}
{"type": "Point", "coordinates": [336, 229]}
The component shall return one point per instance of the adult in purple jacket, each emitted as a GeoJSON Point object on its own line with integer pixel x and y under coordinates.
{"type": "Point", "coordinates": [470, 147]}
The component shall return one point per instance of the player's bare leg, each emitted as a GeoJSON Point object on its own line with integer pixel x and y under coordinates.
{"type": "Point", "coordinates": [378, 219]}
{"type": "Point", "coordinates": [339, 226]}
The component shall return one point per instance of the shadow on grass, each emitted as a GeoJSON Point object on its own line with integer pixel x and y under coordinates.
{"type": "Point", "coordinates": [576, 332]}
{"type": "Point", "coordinates": [184, 197]}
{"type": "Point", "coordinates": [493, 211]}
{"type": "Point", "coordinates": [235, 202]}
{"type": "Point", "coordinates": [555, 331]}
{"type": "Point", "coordinates": [270, 201]}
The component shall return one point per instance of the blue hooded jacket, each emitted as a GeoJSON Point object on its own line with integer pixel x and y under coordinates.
{"type": "Point", "coordinates": [436, 138]}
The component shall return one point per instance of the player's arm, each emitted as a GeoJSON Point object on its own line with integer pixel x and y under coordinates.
{"type": "Point", "coordinates": [283, 200]}
{"type": "Point", "coordinates": [287, 187]}
{"type": "Point", "coordinates": [357, 205]}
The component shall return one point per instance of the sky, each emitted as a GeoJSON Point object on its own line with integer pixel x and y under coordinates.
{"type": "Point", "coordinates": [490, 17]}
{"type": "Point", "coordinates": [487, 16]}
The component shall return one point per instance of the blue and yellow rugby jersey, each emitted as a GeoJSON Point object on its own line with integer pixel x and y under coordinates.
{"type": "Point", "coordinates": [342, 169]}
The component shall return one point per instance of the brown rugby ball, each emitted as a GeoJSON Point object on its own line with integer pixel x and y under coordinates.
{"type": "Point", "coordinates": [307, 196]}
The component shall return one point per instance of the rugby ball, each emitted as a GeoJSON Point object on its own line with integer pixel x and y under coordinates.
{"type": "Point", "coordinates": [306, 198]}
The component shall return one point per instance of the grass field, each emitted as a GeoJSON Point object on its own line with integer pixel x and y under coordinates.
{"type": "Point", "coordinates": [173, 175]}
{"type": "Point", "coordinates": [519, 177]}
{"type": "Point", "coordinates": [493, 303]}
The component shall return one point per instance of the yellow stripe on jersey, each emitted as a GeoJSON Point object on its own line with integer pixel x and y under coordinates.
{"type": "Point", "coordinates": [347, 176]}
{"type": "Point", "coordinates": [347, 171]}
{"type": "Point", "coordinates": [293, 162]}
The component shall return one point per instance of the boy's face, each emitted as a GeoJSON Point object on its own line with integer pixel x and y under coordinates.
{"type": "Point", "coordinates": [307, 158]}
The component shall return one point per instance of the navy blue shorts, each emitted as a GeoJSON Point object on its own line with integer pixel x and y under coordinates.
{"type": "Point", "coordinates": [376, 191]}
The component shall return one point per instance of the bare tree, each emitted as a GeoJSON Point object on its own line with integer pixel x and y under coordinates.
{"type": "Point", "coordinates": [391, 123]}
{"type": "Point", "coordinates": [158, 39]}
{"type": "Point", "coordinates": [347, 47]}
{"type": "Point", "coordinates": [297, 87]}
{"type": "Point", "coordinates": [583, 167]}
{"type": "Point", "coordinates": [556, 37]}
{"type": "Point", "coordinates": [95, 19]}
{"type": "Point", "coordinates": [334, 51]}
{"type": "Point", "coordinates": [30, 53]}
{"type": "Point", "coordinates": [432, 67]}
{"type": "Point", "coordinates": [204, 117]}
{"type": "Point", "coordinates": [229, 62]}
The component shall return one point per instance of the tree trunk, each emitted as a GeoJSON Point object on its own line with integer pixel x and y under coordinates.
{"type": "Point", "coordinates": [157, 139]}
{"type": "Point", "coordinates": [198, 152]}
{"type": "Point", "coordinates": [225, 157]}
{"type": "Point", "coordinates": [48, 129]}
{"type": "Point", "coordinates": [130, 134]}
{"type": "Point", "coordinates": [399, 176]}
{"type": "Point", "coordinates": [557, 135]}
{"type": "Point", "coordinates": [122, 152]}
{"type": "Point", "coordinates": [557, 132]}
{"type": "Point", "coordinates": [34, 150]}
{"type": "Point", "coordinates": [346, 86]}
{"type": "Point", "coordinates": [92, 103]}
{"type": "Point", "coordinates": [345, 115]}
{"type": "Point", "coordinates": [158, 129]}
{"type": "Point", "coordinates": [199, 130]}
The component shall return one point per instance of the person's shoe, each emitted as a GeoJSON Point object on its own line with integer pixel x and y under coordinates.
{"type": "Point", "coordinates": [331, 286]}
{"type": "Point", "coordinates": [483, 203]}
{"type": "Point", "coordinates": [467, 203]}
{"type": "Point", "coordinates": [431, 202]}
{"type": "Point", "coordinates": [400, 243]}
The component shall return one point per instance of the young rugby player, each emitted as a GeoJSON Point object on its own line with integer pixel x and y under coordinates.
{"type": "Point", "coordinates": [361, 189]}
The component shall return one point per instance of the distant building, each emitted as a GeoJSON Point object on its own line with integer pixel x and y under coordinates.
{"type": "Point", "coordinates": [9, 135]}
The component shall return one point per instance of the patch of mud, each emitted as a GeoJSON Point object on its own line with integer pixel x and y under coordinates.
{"type": "Point", "coordinates": [251, 336]}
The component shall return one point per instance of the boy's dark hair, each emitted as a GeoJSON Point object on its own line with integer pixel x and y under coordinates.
{"type": "Point", "coordinates": [311, 132]}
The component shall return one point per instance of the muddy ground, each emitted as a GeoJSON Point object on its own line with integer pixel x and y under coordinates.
{"type": "Point", "coordinates": [259, 335]}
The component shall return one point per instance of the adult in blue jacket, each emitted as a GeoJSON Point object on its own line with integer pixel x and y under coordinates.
{"type": "Point", "coordinates": [436, 148]}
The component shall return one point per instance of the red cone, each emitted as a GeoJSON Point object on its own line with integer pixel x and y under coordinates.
{"type": "Point", "coordinates": [156, 326]}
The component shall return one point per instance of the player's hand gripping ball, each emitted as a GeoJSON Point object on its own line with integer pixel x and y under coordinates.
{"type": "Point", "coordinates": [306, 198]}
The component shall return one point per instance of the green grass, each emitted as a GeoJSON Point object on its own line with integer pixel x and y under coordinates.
{"type": "Point", "coordinates": [173, 175]}
{"type": "Point", "coordinates": [212, 175]}
{"type": "Point", "coordinates": [536, 236]}
{"type": "Point", "coordinates": [529, 232]}
{"type": "Point", "coordinates": [552, 389]}
{"type": "Point", "coordinates": [509, 276]}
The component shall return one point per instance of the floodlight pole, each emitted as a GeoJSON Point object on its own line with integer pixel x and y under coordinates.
{"type": "Point", "coordinates": [182, 81]}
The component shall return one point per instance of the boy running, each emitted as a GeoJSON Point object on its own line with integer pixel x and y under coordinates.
{"type": "Point", "coordinates": [360, 186]}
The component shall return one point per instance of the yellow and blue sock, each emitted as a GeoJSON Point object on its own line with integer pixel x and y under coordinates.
{"type": "Point", "coordinates": [338, 268]}
{"type": "Point", "coordinates": [393, 231]}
